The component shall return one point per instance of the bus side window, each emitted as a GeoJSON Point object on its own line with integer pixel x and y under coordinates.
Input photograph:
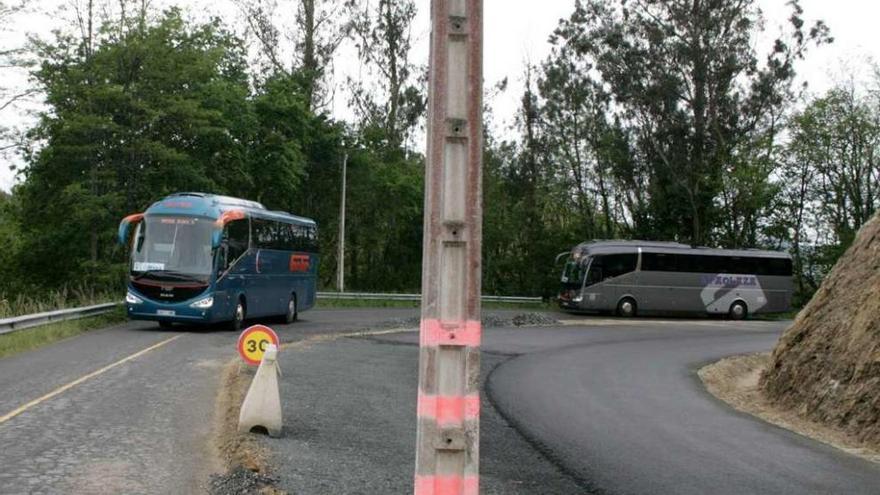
{"type": "Point", "coordinates": [619, 264]}
{"type": "Point", "coordinates": [262, 233]}
{"type": "Point", "coordinates": [659, 262]}
{"type": "Point", "coordinates": [237, 240]}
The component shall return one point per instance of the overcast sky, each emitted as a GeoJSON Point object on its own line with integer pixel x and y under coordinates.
{"type": "Point", "coordinates": [517, 30]}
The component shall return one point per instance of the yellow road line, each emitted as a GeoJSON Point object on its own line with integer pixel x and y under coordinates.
{"type": "Point", "coordinates": [60, 390]}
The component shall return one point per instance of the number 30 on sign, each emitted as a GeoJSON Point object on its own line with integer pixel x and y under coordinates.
{"type": "Point", "coordinates": [253, 342]}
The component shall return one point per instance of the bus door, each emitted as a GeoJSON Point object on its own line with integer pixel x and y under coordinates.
{"type": "Point", "coordinates": [233, 264]}
{"type": "Point", "coordinates": [619, 278]}
{"type": "Point", "coordinates": [595, 293]}
{"type": "Point", "coordinates": [610, 277]}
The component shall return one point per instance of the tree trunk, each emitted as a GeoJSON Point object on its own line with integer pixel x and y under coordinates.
{"type": "Point", "coordinates": [310, 60]}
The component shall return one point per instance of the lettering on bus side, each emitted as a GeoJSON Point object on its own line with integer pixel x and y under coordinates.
{"type": "Point", "coordinates": [300, 262]}
{"type": "Point", "coordinates": [729, 280]}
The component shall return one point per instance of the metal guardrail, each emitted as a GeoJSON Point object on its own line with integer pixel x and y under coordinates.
{"type": "Point", "coordinates": [417, 297]}
{"type": "Point", "coordinates": [9, 325]}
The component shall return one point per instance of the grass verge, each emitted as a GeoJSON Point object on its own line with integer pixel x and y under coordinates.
{"type": "Point", "coordinates": [32, 338]}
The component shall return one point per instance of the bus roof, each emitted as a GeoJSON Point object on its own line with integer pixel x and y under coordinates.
{"type": "Point", "coordinates": [213, 206]}
{"type": "Point", "coordinates": [620, 246]}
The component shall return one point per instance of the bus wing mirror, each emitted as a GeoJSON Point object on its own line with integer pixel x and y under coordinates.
{"type": "Point", "coordinates": [125, 226]}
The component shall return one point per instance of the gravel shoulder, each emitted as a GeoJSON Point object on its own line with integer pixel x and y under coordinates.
{"type": "Point", "coordinates": [350, 426]}
{"type": "Point", "coordinates": [734, 380]}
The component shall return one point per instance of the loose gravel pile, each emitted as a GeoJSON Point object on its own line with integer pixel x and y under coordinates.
{"type": "Point", "coordinates": [533, 320]}
{"type": "Point", "coordinates": [827, 365]}
{"type": "Point", "coordinates": [490, 320]}
{"type": "Point", "coordinates": [241, 481]}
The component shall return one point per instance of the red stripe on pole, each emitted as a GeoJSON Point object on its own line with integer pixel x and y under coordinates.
{"type": "Point", "coordinates": [449, 410]}
{"type": "Point", "coordinates": [447, 485]}
{"type": "Point", "coordinates": [435, 332]}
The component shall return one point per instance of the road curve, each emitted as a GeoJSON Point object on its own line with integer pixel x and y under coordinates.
{"type": "Point", "coordinates": [622, 409]}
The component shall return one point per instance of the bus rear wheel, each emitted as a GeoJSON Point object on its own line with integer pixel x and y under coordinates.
{"type": "Point", "coordinates": [626, 307]}
{"type": "Point", "coordinates": [738, 311]}
{"type": "Point", "coordinates": [292, 310]}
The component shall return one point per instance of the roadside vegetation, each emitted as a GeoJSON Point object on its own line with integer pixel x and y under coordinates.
{"type": "Point", "coordinates": [32, 338]}
{"type": "Point", "coordinates": [24, 304]}
{"type": "Point", "coordinates": [700, 135]}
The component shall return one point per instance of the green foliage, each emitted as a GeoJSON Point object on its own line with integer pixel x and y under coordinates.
{"type": "Point", "coordinates": [384, 221]}
{"type": "Point", "coordinates": [25, 304]}
{"type": "Point", "coordinates": [700, 102]}
{"type": "Point", "coordinates": [9, 245]}
{"type": "Point", "coordinates": [832, 184]}
{"type": "Point", "coordinates": [648, 120]}
{"type": "Point", "coordinates": [144, 113]}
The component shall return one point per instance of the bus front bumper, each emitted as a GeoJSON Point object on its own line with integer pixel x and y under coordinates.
{"type": "Point", "coordinates": [182, 312]}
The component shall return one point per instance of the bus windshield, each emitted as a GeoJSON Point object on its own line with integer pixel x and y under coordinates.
{"type": "Point", "coordinates": [574, 272]}
{"type": "Point", "coordinates": [173, 248]}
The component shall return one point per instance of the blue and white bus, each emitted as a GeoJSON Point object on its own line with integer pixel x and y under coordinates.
{"type": "Point", "coordinates": [203, 258]}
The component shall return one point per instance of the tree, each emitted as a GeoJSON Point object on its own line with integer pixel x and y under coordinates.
{"type": "Point", "coordinates": [390, 107]}
{"type": "Point", "coordinates": [12, 59]}
{"type": "Point", "coordinates": [686, 76]}
{"type": "Point", "coordinates": [135, 114]}
{"type": "Point", "coordinates": [831, 179]}
{"type": "Point", "coordinates": [304, 53]}
{"type": "Point", "coordinates": [9, 245]}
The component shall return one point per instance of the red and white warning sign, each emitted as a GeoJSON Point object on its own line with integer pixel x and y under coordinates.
{"type": "Point", "coordinates": [253, 342]}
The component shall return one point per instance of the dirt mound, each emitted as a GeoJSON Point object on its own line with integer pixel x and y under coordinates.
{"type": "Point", "coordinates": [827, 365]}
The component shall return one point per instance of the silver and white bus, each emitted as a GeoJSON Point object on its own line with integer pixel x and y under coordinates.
{"type": "Point", "coordinates": [638, 277]}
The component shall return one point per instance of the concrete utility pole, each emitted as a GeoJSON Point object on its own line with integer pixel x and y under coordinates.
{"type": "Point", "coordinates": [340, 267]}
{"type": "Point", "coordinates": [447, 453]}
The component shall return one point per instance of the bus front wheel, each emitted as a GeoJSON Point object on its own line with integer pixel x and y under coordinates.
{"type": "Point", "coordinates": [626, 307]}
{"type": "Point", "coordinates": [238, 316]}
{"type": "Point", "coordinates": [739, 311]}
{"type": "Point", "coordinates": [292, 310]}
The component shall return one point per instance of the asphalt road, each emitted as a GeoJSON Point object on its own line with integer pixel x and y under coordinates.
{"type": "Point", "coordinates": [612, 406]}
{"type": "Point", "coordinates": [623, 410]}
{"type": "Point", "coordinates": [142, 426]}
{"type": "Point", "coordinates": [350, 426]}
{"type": "Point", "coordinates": [603, 406]}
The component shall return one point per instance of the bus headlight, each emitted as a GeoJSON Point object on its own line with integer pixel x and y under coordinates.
{"type": "Point", "coordinates": [132, 299]}
{"type": "Point", "coordinates": [203, 303]}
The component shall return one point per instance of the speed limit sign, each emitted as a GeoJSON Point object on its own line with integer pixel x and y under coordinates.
{"type": "Point", "coordinates": [253, 342]}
